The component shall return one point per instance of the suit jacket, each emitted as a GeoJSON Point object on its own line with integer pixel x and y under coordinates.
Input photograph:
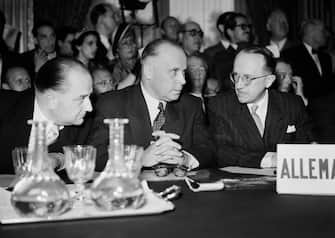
{"type": "Point", "coordinates": [322, 112]}
{"type": "Point", "coordinates": [209, 54]}
{"type": "Point", "coordinates": [27, 60]}
{"type": "Point", "coordinates": [15, 110]}
{"type": "Point", "coordinates": [238, 141]}
{"type": "Point", "coordinates": [183, 117]}
{"type": "Point", "coordinates": [304, 66]}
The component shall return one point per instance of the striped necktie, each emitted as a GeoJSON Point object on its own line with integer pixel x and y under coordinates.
{"type": "Point", "coordinates": [160, 118]}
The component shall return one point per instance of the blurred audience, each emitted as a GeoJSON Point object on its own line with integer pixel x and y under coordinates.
{"type": "Point", "coordinates": [309, 62]}
{"type": "Point", "coordinates": [286, 82]}
{"type": "Point", "coordinates": [191, 37]}
{"type": "Point", "coordinates": [17, 79]}
{"type": "Point", "coordinates": [170, 28]}
{"type": "Point", "coordinates": [102, 80]}
{"type": "Point", "coordinates": [278, 28]}
{"type": "Point", "coordinates": [45, 47]}
{"type": "Point", "coordinates": [65, 36]}
{"type": "Point", "coordinates": [85, 48]}
{"type": "Point", "coordinates": [238, 31]}
{"type": "Point", "coordinates": [105, 18]}
{"type": "Point", "coordinates": [126, 63]}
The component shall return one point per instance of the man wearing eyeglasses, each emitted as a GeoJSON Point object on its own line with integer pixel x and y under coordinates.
{"type": "Point", "coordinates": [238, 31]}
{"type": "Point", "coordinates": [191, 37]}
{"type": "Point", "coordinates": [250, 121]}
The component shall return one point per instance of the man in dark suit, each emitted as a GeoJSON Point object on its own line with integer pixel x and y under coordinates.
{"type": "Point", "coordinates": [162, 80]}
{"type": "Point", "coordinates": [61, 97]}
{"type": "Point", "coordinates": [308, 62]}
{"type": "Point", "coordinates": [45, 48]}
{"type": "Point", "coordinates": [104, 18]}
{"type": "Point", "coordinates": [248, 124]}
{"type": "Point", "coordinates": [237, 30]}
{"type": "Point", "coordinates": [221, 46]}
{"type": "Point", "coordinates": [278, 28]}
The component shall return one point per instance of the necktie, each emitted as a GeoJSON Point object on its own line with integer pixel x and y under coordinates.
{"type": "Point", "coordinates": [257, 119]}
{"type": "Point", "coordinates": [160, 118]}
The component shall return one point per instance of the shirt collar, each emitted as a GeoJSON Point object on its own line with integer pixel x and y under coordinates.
{"type": "Point", "coordinates": [225, 43]}
{"type": "Point", "coordinates": [262, 106]}
{"type": "Point", "coordinates": [280, 44]}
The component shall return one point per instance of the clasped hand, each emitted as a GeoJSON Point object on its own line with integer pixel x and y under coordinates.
{"type": "Point", "coordinates": [164, 149]}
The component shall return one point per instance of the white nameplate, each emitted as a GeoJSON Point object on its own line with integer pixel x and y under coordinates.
{"type": "Point", "coordinates": [306, 169]}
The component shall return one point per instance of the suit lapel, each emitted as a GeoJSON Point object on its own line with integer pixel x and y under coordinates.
{"type": "Point", "coordinates": [310, 61]}
{"type": "Point", "coordinates": [246, 125]}
{"type": "Point", "coordinates": [173, 119]}
{"type": "Point", "coordinates": [274, 122]}
{"type": "Point", "coordinates": [139, 118]}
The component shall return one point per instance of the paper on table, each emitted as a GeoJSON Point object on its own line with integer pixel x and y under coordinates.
{"type": "Point", "coordinates": [154, 205]}
{"type": "Point", "coordinates": [244, 170]}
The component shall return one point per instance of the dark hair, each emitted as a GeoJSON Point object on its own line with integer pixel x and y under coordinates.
{"type": "Point", "coordinates": [53, 73]}
{"type": "Point", "coordinates": [99, 10]}
{"type": "Point", "coordinates": [40, 24]}
{"type": "Point", "coordinates": [64, 31]}
{"type": "Point", "coordinates": [269, 60]}
{"type": "Point", "coordinates": [231, 22]}
{"type": "Point", "coordinates": [222, 19]}
{"type": "Point", "coordinates": [80, 39]}
{"type": "Point", "coordinates": [152, 48]}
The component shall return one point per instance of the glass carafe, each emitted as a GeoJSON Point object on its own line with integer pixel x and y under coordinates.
{"type": "Point", "coordinates": [39, 191]}
{"type": "Point", "coordinates": [116, 187]}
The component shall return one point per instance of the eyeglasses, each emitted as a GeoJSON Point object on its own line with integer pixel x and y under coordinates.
{"type": "Point", "coordinates": [245, 78]}
{"type": "Point", "coordinates": [244, 26]}
{"type": "Point", "coordinates": [163, 170]}
{"type": "Point", "coordinates": [195, 32]}
{"type": "Point", "coordinates": [281, 75]}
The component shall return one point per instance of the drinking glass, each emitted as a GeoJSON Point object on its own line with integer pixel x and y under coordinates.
{"type": "Point", "coordinates": [19, 157]}
{"type": "Point", "coordinates": [79, 166]}
{"type": "Point", "coordinates": [133, 159]}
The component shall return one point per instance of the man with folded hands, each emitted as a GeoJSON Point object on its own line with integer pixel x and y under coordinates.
{"type": "Point", "coordinates": [250, 121]}
{"type": "Point", "coordinates": [161, 120]}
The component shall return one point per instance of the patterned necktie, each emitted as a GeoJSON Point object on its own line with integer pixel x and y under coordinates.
{"type": "Point", "coordinates": [160, 118]}
{"type": "Point", "coordinates": [257, 119]}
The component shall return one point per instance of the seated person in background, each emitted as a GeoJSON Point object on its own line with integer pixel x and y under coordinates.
{"type": "Point", "coordinates": [212, 87]}
{"type": "Point", "coordinates": [17, 78]}
{"type": "Point", "coordinates": [170, 27]}
{"type": "Point", "coordinates": [65, 36]}
{"type": "Point", "coordinates": [286, 82]}
{"type": "Point", "coordinates": [102, 80]}
{"type": "Point", "coordinates": [191, 37]}
{"type": "Point", "coordinates": [196, 76]}
{"type": "Point", "coordinates": [126, 64]}
{"type": "Point", "coordinates": [61, 96]}
{"type": "Point", "coordinates": [250, 121]}
{"type": "Point", "coordinates": [85, 47]}
{"type": "Point", "coordinates": [45, 48]}
{"type": "Point", "coordinates": [155, 107]}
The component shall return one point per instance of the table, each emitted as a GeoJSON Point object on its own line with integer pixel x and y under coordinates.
{"type": "Point", "coordinates": [238, 213]}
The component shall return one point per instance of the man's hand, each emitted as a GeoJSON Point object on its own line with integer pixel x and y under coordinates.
{"type": "Point", "coordinates": [163, 150]}
{"type": "Point", "coordinates": [269, 160]}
